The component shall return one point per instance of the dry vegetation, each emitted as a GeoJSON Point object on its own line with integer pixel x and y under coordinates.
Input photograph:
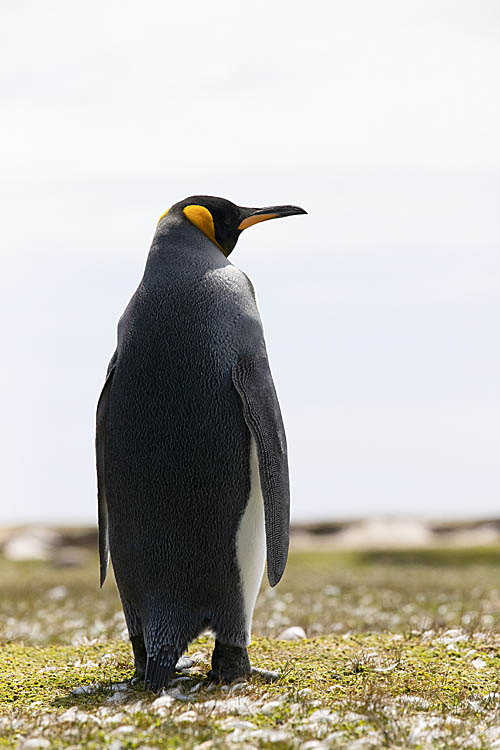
{"type": "Point", "coordinates": [403, 652]}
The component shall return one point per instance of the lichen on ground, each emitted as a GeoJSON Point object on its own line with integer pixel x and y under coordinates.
{"type": "Point", "coordinates": [404, 653]}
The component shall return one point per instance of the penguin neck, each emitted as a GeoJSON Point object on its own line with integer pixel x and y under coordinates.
{"type": "Point", "coordinates": [180, 247]}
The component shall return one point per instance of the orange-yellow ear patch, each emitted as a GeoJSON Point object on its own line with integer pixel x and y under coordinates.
{"type": "Point", "coordinates": [163, 215]}
{"type": "Point", "coordinates": [203, 219]}
{"type": "Point", "coordinates": [250, 220]}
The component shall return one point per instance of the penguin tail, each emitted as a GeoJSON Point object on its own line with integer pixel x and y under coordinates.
{"type": "Point", "coordinates": [160, 668]}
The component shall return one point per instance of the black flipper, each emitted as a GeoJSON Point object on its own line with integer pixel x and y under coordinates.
{"type": "Point", "coordinates": [254, 383]}
{"type": "Point", "coordinates": [159, 669]}
{"type": "Point", "coordinates": [102, 507]}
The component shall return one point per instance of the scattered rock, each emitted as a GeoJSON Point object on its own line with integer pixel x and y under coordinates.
{"type": "Point", "coordinates": [295, 633]}
{"type": "Point", "coordinates": [380, 533]}
{"type": "Point", "coordinates": [84, 690]}
{"type": "Point", "coordinates": [57, 594]}
{"type": "Point", "coordinates": [269, 708]}
{"type": "Point", "coordinates": [478, 663]}
{"type": "Point", "coordinates": [236, 724]}
{"type": "Point", "coordinates": [35, 743]}
{"type": "Point", "coordinates": [184, 663]}
{"type": "Point", "coordinates": [31, 543]}
{"type": "Point", "coordinates": [177, 694]}
{"type": "Point", "coordinates": [188, 717]}
{"type": "Point", "coordinates": [164, 701]}
{"type": "Point", "coordinates": [241, 706]}
{"type": "Point", "coordinates": [238, 687]}
{"type": "Point", "coordinates": [124, 729]}
{"type": "Point", "coordinates": [323, 715]}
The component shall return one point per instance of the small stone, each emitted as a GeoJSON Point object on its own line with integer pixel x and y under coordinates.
{"type": "Point", "coordinates": [177, 680]}
{"type": "Point", "coordinates": [478, 663]}
{"type": "Point", "coordinates": [32, 543]}
{"type": "Point", "coordinates": [114, 719]}
{"type": "Point", "coordinates": [68, 715]}
{"type": "Point", "coordinates": [323, 714]}
{"type": "Point", "coordinates": [184, 663]}
{"type": "Point", "coordinates": [304, 692]}
{"type": "Point", "coordinates": [188, 717]}
{"type": "Point", "coordinates": [269, 708]}
{"type": "Point", "coordinates": [120, 686]}
{"type": "Point", "coordinates": [236, 724]}
{"type": "Point", "coordinates": [57, 594]}
{"type": "Point", "coordinates": [331, 591]}
{"type": "Point", "coordinates": [81, 690]}
{"type": "Point", "coordinates": [238, 687]}
{"type": "Point", "coordinates": [196, 658]}
{"type": "Point", "coordinates": [162, 702]}
{"type": "Point", "coordinates": [118, 697]}
{"type": "Point", "coordinates": [125, 729]}
{"type": "Point", "coordinates": [177, 695]}
{"type": "Point", "coordinates": [35, 743]}
{"type": "Point", "coordinates": [295, 633]}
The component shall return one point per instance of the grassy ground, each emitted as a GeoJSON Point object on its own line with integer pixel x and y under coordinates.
{"type": "Point", "coordinates": [403, 651]}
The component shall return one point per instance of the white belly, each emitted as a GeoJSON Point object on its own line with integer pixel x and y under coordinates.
{"type": "Point", "coordinates": [251, 541]}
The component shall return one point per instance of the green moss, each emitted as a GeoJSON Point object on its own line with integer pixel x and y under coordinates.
{"type": "Point", "coordinates": [377, 673]}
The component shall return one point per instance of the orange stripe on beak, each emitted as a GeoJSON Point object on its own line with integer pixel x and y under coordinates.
{"type": "Point", "coordinates": [250, 220]}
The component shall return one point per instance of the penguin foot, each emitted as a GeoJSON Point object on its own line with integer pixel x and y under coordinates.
{"type": "Point", "coordinates": [229, 663]}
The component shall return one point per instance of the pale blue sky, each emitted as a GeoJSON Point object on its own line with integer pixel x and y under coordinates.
{"type": "Point", "coordinates": [381, 307]}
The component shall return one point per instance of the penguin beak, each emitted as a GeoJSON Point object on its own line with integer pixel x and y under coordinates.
{"type": "Point", "coordinates": [255, 215]}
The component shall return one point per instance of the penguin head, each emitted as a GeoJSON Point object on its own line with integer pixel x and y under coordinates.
{"type": "Point", "coordinates": [222, 221]}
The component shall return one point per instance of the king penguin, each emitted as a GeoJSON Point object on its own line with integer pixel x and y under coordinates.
{"type": "Point", "coordinates": [192, 470]}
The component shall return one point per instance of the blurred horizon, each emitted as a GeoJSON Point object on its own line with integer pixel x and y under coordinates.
{"type": "Point", "coordinates": [380, 307]}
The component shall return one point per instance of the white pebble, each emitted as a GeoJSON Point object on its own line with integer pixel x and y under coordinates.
{"type": "Point", "coordinates": [323, 714]}
{"type": "Point", "coordinates": [236, 724]}
{"type": "Point", "coordinates": [57, 593]}
{"type": "Point", "coordinates": [35, 743]}
{"type": "Point", "coordinates": [479, 663]}
{"type": "Point", "coordinates": [186, 717]}
{"type": "Point", "coordinates": [295, 633]}
{"type": "Point", "coordinates": [117, 697]}
{"type": "Point", "coordinates": [125, 729]}
{"type": "Point", "coordinates": [177, 695]}
{"type": "Point", "coordinates": [83, 690]}
{"type": "Point", "coordinates": [119, 686]}
{"type": "Point", "coordinates": [238, 687]}
{"type": "Point", "coordinates": [269, 708]}
{"type": "Point", "coordinates": [162, 701]}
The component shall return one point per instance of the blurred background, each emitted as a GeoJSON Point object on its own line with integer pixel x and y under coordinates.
{"type": "Point", "coordinates": [380, 308]}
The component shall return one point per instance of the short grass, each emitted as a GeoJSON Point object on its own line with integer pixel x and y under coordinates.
{"type": "Point", "coordinates": [403, 651]}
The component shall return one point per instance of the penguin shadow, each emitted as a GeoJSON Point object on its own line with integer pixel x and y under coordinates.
{"type": "Point", "coordinates": [86, 697]}
{"type": "Point", "coordinates": [191, 682]}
